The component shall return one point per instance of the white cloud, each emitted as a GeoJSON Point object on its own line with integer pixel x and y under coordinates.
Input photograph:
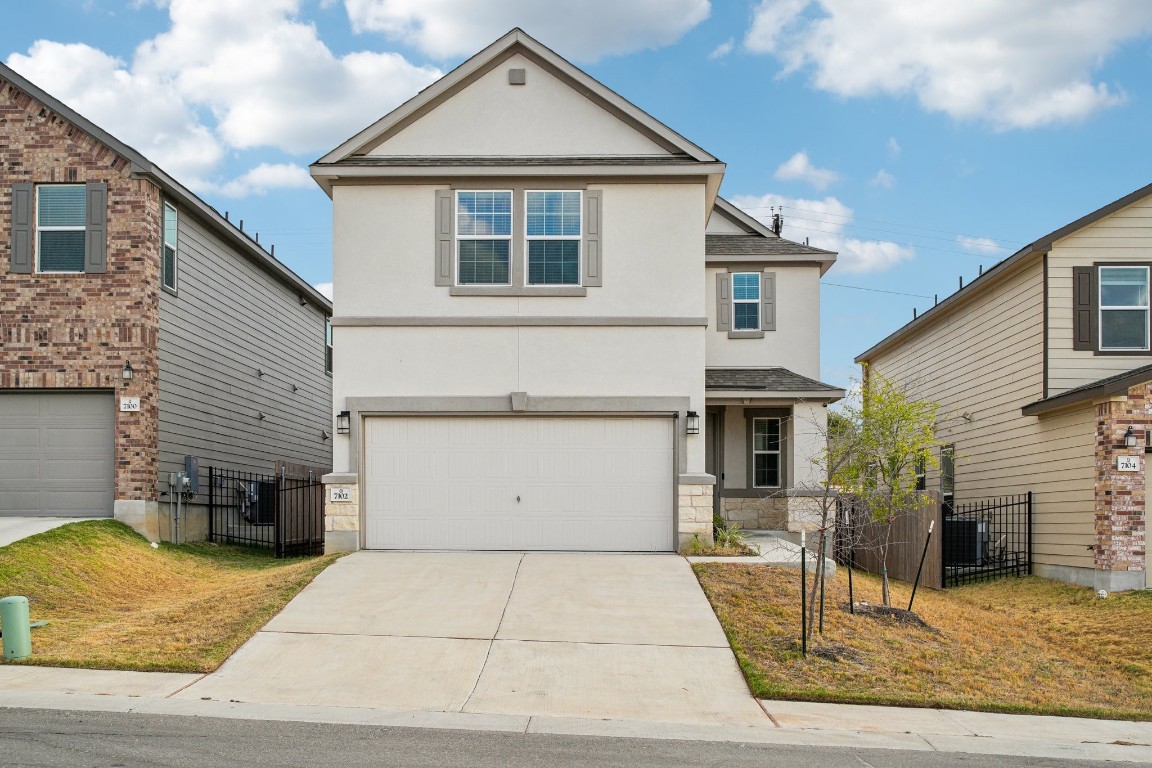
{"type": "Point", "coordinates": [823, 222]}
{"type": "Point", "coordinates": [883, 179]}
{"type": "Point", "coordinates": [723, 49]}
{"type": "Point", "coordinates": [585, 31]}
{"type": "Point", "coordinates": [983, 245]}
{"type": "Point", "coordinates": [225, 75]}
{"type": "Point", "coordinates": [799, 168]}
{"type": "Point", "coordinates": [267, 176]}
{"type": "Point", "coordinates": [894, 148]}
{"type": "Point", "coordinates": [325, 290]}
{"type": "Point", "coordinates": [1016, 65]}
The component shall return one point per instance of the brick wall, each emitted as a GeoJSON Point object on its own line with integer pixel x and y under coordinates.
{"type": "Point", "coordinates": [1120, 517]}
{"type": "Point", "coordinates": [77, 331]}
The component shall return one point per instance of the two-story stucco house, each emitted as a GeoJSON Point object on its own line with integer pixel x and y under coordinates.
{"type": "Point", "coordinates": [551, 333]}
{"type": "Point", "coordinates": [138, 327]}
{"type": "Point", "coordinates": [1043, 368]}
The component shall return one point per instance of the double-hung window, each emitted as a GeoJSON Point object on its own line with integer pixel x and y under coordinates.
{"type": "Point", "coordinates": [60, 227]}
{"type": "Point", "coordinates": [1124, 308]}
{"type": "Point", "coordinates": [553, 232]}
{"type": "Point", "coordinates": [518, 241]}
{"type": "Point", "coordinates": [484, 237]}
{"type": "Point", "coordinates": [766, 452]}
{"type": "Point", "coordinates": [746, 301]}
{"type": "Point", "coordinates": [168, 250]}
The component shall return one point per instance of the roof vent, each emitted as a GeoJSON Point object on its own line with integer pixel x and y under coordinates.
{"type": "Point", "coordinates": [517, 77]}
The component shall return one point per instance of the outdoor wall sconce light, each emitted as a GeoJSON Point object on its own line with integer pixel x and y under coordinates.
{"type": "Point", "coordinates": [343, 423]}
{"type": "Point", "coordinates": [1130, 438]}
{"type": "Point", "coordinates": [126, 374]}
{"type": "Point", "coordinates": [692, 424]}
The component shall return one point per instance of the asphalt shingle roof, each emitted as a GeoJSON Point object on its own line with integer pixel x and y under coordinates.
{"type": "Point", "coordinates": [764, 379]}
{"type": "Point", "coordinates": [757, 245]}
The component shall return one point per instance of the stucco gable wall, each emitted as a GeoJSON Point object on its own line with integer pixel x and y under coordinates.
{"type": "Point", "coordinates": [543, 117]}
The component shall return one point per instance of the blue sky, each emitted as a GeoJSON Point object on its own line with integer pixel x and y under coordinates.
{"type": "Point", "coordinates": [919, 140]}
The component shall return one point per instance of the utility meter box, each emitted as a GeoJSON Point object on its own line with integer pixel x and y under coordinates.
{"type": "Point", "coordinates": [192, 470]}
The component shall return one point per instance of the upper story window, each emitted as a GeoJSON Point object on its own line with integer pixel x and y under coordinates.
{"type": "Point", "coordinates": [60, 225]}
{"type": "Point", "coordinates": [1110, 308]}
{"type": "Point", "coordinates": [746, 301]}
{"type": "Point", "coordinates": [552, 224]}
{"type": "Point", "coordinates": [1124, 308]}
{"type": "Point", "coordinates": [518, 241]}
{"type": "Point", "coordinates": [168, 250]}
{"type": "Point", "coordinates": [484, 237]}
{"type": "Point", "coordinates": [59, 228]}
{"type": "Point", "coordinates": [328, 345]}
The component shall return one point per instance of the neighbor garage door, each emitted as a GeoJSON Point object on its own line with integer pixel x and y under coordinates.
{"type": "Point", "coordinates": [56, 454]}
{"type": "Point", "coordinates": [520, 483]}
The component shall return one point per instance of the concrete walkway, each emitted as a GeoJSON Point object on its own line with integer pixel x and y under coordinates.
{"type": "Point", "coordinates": [561, 635]}
{"type": "Point", "coordinates": [795, 723]}
{"type": "Point", "coordinates": [15, 528]}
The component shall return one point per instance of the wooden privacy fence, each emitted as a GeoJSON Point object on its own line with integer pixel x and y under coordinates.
{"type": "Point", "coordinates": [858, 540]}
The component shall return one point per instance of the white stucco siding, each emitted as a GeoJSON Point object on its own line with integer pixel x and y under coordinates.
{"type": "Point", "coordinates": [795, 344]}
{"type": "Point", "coordinates": [1124, 236]}
{"type": "Point", "coordinates": [542, 361]}
{"type": "Point", "coordinates": [719, 224]}
{"type": "Point", "coordinates": [542, 117]}
{"type": "Point", "coordinates": [652, 248]}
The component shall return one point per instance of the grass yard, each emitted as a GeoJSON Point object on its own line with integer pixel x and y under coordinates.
{"type": "Point", "coordinates": [114, 602]}
{"type": "Point", "coordinates": [1013, 645]}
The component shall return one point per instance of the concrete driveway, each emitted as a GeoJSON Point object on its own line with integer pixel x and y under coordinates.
{"type": "Point", "coordinates": [627, 637]}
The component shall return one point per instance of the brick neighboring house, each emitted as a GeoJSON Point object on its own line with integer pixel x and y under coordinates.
{"type": "Point", "coordinates": [110, 266]}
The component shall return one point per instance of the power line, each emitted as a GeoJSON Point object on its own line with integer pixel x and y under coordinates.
{"type": "Point", "coordinates": [893, 242]}
{"type": "Point", "coordinates": [876, 290]}
{"type": "Point", "coordinates": [892, 232]}
{"type": "Point", "coordinates": [881, 221]}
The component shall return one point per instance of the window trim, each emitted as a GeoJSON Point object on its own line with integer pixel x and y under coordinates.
{"type": "Point", "coordinates": [948, 476]}
{"type": "Point", "coordinates": [578, 238]}
{"type": "Point", "coordinates": [509, 238]}
{"type": "Point", "coordinates": [82, 228]}
{"type": "Point", "coordinates": [591, 222]}
{"type": "Point", "coordinates": [174, 287]}
{"type": "Point", "coordinates": [784, 416]}
{"type": "Point", "coordinates": [328, 346]}
{"type": "Point", "coordinates": [1101, 309]}
{"type": "Point", "coordinates": [758, 302]}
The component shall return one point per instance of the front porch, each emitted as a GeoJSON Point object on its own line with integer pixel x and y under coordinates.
{"type": "Point", "coordinates": [765, 433]}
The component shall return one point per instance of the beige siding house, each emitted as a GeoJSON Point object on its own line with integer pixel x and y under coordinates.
{"type": "Point", "coordinates": [537, 292]}
{"type": "Point", "coordinates": [1043, 369]}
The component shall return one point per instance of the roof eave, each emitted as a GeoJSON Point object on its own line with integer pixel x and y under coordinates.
{"type": "Point", "coordinates": [817, 395]}
{"type": "Point", "coordinates": [1088, 394]}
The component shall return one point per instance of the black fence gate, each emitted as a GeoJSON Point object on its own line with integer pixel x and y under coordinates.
{"type": "Point", "coordinates": [284, 511]}
{"type": "Point", "coordinates": [987, 539]}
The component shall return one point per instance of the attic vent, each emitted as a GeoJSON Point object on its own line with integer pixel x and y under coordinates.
{"type": "Point", "coordinates": [517, 77]}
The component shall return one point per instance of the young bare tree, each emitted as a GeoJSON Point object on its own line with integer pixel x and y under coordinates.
{"type": "Point", "coordinates": [897, 437]}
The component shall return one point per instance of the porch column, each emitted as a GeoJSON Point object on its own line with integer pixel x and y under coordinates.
{"type": "Point", "coordinates": [1120, 555]}
{"type": "Point", "coordinates": [341, 512]}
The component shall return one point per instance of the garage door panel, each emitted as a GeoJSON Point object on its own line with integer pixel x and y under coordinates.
{"type": "Point", "coordinates": [584, 483]}
{"type": "Point", "coordinates": [56, 454]}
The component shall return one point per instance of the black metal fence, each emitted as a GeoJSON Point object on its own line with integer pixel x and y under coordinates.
{"type": "Point", "coordinates": [987, 539]}
{"type": "Point", "coordinates": [284, 511]}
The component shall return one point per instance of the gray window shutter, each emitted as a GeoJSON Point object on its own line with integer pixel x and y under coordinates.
{"type": "Point", "coordinates": [96, 228]}
{"type": "Point", "coordinates": [1084, 308]}
{"type": "Point", "coordinates": [593, 267]}
{"type": "Point", "coordinates": [723, 302]}
{"type": "Point", "coordinates": [768, 301]}
{"type": "Point", "coordinates": [445, 237]}
{"type": "Point", "coordinates": [21, 228]}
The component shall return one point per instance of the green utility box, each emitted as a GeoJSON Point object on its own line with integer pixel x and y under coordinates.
{"type": "Point", "coordinates": [16, 627]}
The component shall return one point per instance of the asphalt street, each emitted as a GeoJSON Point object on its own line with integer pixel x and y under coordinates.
{"type": "Point", "coordinates": [48, 738]}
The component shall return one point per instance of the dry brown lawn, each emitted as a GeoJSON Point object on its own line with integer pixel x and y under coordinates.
{"type": "Point", "coordinates": [1013, 645]}
{"type": "Point", "coordinates": [114, 602]}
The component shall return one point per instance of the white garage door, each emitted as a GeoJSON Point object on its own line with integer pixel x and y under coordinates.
{"type": "Point", "coordinates": [519, 483]}
{"type": "Point", "coordinates": [56, 454]}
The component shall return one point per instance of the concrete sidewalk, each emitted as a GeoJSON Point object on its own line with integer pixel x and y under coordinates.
{"type": "Point", "coordinates": [14, 529]}
{"type": "Point", "coordinates": [794, 723]}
